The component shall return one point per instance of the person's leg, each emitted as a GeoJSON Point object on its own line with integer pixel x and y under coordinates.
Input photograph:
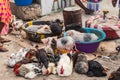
{"type": "Point", "coordinates": [119, 9]}
{"type": "Point", "coordinates": [2, 40]}
{"type": "Point", "coordinates": [87, 11]}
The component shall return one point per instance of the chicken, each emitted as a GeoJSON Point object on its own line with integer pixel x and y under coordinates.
{"type": "Point", "coordinates": [16, 57]}
{"type": "Point", "coordinates": [96, 69]}
{"type": "Point", "coordinates": [29, 58]}
{"type": "Point", "coordinates": [17, 25]}
{"type": "Point", "coordinates": [51, 69]}
{"type": "Point", "coordinates": [56, 29]}
{"type": "Point", "coordinates": [65, 65]}
{"type": "Point", "coordinates": [30, 70]}
{"type": "Point", "coordinates": [81, 65]}
{"type": "Point", "coordinates": [115, 75]}
{"type": "Point", "coordinates": [41, 56]}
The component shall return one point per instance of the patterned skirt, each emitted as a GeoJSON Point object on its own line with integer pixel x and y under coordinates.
{"type": "Point", "coordinates": [5, 15]}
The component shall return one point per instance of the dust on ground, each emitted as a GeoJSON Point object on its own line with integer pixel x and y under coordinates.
{"type": "Point", "coordinates": [17, 43]}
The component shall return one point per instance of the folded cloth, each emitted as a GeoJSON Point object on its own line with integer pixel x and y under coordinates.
{"type": "Point", "coordinates": [5, 14]}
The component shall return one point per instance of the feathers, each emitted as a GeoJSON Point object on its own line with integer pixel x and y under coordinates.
{"type": "Point", "coordinates": [42, 57]}
{"type": "Point", "coordinates": [29, 70]}
{"type": "Point", "coordinates": [17, 25]}
{"type": "Point", "coordinates": [56, 29]}
{"type": "Point", "coordinates": [65, 65]}
{"type": "Point", "coordinates": [16, 57]}
{"type": "Point", "coordinates": [95, 69]}
{"type": "Point", "coordinates": [51, 69]}
{"type": "Point", "coordinates": [115, 75]}
{"type": "Point", "coordinates": [81, 65]}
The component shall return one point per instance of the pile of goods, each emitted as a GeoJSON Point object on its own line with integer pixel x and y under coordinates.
{"type": "Point", "coordinates": [37, 30]}
{"type": "Point", "coordinates": [110, 25]}
{"type": "Point", "coordinates": [57, 56]}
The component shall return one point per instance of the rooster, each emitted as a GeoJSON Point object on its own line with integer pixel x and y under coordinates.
{"type": "Point", "coordinates": [29, 58]}
{"type": "Point", "coordinates": [16, 57]}
{"type": "Point", "coordinates": [29, 71]}
{"type": "Point", "coordinates": [65, 65]}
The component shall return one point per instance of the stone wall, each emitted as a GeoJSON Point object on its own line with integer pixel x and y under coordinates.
{"type": "Point", "coordinates": [26, 12]}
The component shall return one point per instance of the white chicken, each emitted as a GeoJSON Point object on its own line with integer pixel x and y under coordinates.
{"type": "Point", "coordinates": [50, 70]}
{"type": "Point", "coordinates": [16, 57]}
{"type": "Point", "coordinates": [65, 65]}
{"type": "Point", "coordinates": [29, 70]}
{"type": "Point", "coordinates": [17, 25]}
{"type": "Point", "coordinates": [82, 37]}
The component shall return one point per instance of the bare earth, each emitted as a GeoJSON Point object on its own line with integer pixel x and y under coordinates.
{"type": "Point", "coordinates": [16, 43]}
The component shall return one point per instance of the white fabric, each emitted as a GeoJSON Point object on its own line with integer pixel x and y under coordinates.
{"type": "Point", "coordinates": [46, 6]}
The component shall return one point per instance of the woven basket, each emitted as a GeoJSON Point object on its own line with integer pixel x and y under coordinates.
{"type": "Point", "coordinates": [35, 36]}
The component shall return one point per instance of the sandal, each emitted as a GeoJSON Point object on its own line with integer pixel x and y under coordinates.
{"type": "Point", "coordinates": [3, 40]}
{"type": "Point", "coordinates": [3, 49]}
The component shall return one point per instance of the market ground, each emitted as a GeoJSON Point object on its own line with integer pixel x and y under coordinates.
{"type": "Point", "coordinates": [17, 43]}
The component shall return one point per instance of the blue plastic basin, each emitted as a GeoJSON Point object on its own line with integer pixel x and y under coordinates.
{"type": "Point", "coordinates": [23, 2]}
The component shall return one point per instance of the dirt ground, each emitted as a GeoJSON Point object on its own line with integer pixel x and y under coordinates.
{"type": "Point", "coordinates": [17, 43]}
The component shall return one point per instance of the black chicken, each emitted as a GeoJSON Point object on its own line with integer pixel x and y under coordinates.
{"type": "Point", "coordinates": [95, 69]}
